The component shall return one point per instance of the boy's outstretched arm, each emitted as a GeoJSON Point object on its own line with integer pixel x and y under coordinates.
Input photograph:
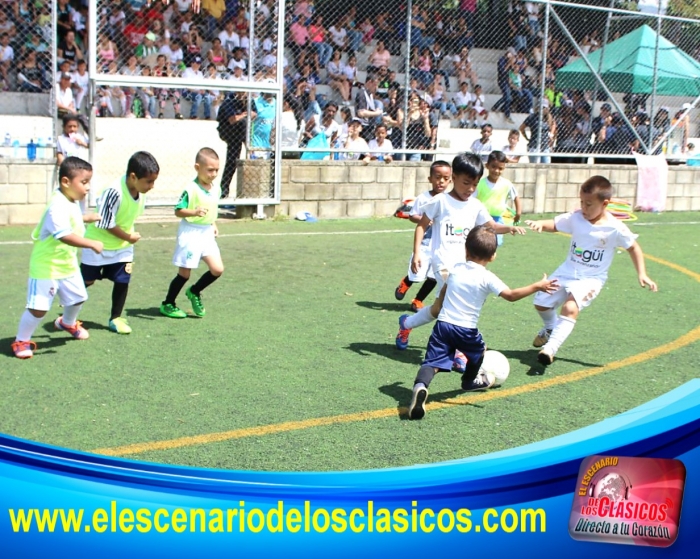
{"type": "Point", "coordinates": [501, 229]}
{"type": "Point", "coordinates": [546, 285]}
{"type": "Point", "coordinates": [637, 256]}
{"type": "Point", "coordinates": [74, 240]}
{"type": "Point", "coordinates": [422, 226]}
{"type": "Point", "coordinates": [543, 225]}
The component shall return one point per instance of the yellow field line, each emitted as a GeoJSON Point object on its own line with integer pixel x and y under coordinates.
{"type": "Point", "coordinates": [684, 340]}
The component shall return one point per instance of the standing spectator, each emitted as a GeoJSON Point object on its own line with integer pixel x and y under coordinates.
{"type": "Point", "coordinates": [71, 142]}
{"type": "Point", "coordinates": [503, 68]}
{"type": "Point", "coordinates": [355, 143]}
{"type": "Point", "coordinates": [542, 130]}
{"type": "Point", "coordinates": [7, 56]}
{"type": "Point", "coordinates": [323, 124]}
{"type": "Point", "coordinates": [263, 117]}
{"type": "Point", "coordinates": [367, 108]}
{"type": "Point", "coordinates": [196, 96]}
{"type": "Point", "coordinates": [418, 130]}
{"type": "Point", "coordinates": [291, 126]}
{"type": "Point", "coordinates": [232, 120]}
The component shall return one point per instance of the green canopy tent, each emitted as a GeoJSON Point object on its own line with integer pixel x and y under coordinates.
{"type": "Point", "coordinates": [628, 67]}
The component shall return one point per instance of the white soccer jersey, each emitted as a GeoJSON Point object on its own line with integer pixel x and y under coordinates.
{"type": "Point", "coordinates": [468, 286]}
{"type": "Point", "coordinates": [417, 209]}
{"type": "Point", "coordinates": [452, 220]}
{"type": "Point", "coordinates": [592, 245]}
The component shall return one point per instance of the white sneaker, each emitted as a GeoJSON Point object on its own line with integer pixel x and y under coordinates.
{"type": "Point", "coordinates": [482, 381]}
{"type": "Point", "coordinates": [541, 338]}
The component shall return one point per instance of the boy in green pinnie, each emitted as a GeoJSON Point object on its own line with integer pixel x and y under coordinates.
{"type": "Point", "coordinates": [118, 206]}
{"type": "Point", "coordinates": [196, 237]}
{"type": "Point", "coordinates": [494, 191]}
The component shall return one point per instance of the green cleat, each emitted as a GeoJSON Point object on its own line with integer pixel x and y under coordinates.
{"type": "Point", "coordinates": [171, 311]}
{"type": "Point", "coordinates": [196, 300]}
{"type": "Point", "coordinates": [119, 325]}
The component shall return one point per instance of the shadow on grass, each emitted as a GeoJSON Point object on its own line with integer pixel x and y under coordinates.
{"type": "Point", "coordinates": [149, 313]}
{"type": "Point", "coordinates": [383, 306]}
{"type": "Point", "coordinates": [528, 357]}
{"type": "Point", "coordinates": [403, 394]}
{"type": "Point", "coordinates": [388, 350]}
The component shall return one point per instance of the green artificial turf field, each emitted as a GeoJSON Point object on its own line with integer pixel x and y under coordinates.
{"type": "Point", "coordinates": [294, 367]}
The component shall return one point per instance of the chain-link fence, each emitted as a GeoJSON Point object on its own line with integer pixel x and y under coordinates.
{"type": "Point", "coordinates": [184, 78]}
{"type": "Point", "coordinates": [31, 42]}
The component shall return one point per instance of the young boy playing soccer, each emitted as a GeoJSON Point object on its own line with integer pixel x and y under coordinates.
{"type": "Point", "coordinates": [53, 266]}
{"type": "Point", "coordinates": [452, 216]}
{"type": "Point", "coordinates": [196, 237]}
{"type": "Point", "coordinates": [119, 206]}
{"type": "Point", "coordinates": [440, 177]}
{"type": "Point", "coordinates": [458, 308]}
{"type": "Point", "coordinates": [595, 235]}
{"type": "Point", "coordinates": [494, 191]}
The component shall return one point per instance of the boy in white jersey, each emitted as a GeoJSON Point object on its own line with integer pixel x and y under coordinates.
{"type": "Point", "coordinates": [440, 176]}
{"type": "Point", "coordinates": [452, 216]}
{"type": "Point", "coordinates": [118, 206]}
{"type": "Point", "coordinates": [595, 236]}
{"type": "Point", "coordinates": [196, 237]}
{"type": "Point", "coordinates": [494, 191]}
{"type": "Point", "coordinates": [53, 267]}
{"type": "Point", "coordinates": [458, 308]}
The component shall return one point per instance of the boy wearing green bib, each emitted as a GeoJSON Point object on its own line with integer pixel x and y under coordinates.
{"type": "Point", "coordinates": [196, 237]}
{"type": "Point", "coordinates": [53, 266]}
{"type": "Point", "coordinates": [494, 191]}
{"type": "Point", "coordinates": [118, 206]}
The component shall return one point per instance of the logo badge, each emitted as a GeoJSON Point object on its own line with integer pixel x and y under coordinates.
{"type": "Point", "coordinates": [626, 500]}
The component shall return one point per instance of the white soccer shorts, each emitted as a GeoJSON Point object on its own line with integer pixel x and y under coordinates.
{"type": "Point", "coordinates": [425, 268]}
{"type": "Point", "coordinates": [41, 292]}
{"type": "Point", "coordinates": [194, 242]}
{"type": "Point", "coordinates": [582, 290]}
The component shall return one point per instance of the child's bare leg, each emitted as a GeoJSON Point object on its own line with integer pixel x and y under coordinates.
{"type": "Point", "coordinates": [216, 268]}
{"type": "Point", "coordinates": [562, 330]}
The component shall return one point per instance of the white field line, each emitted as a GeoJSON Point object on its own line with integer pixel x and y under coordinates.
{"type": "Point", "coordinates": [321, 233]}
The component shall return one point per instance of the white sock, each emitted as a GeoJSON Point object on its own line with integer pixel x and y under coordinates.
{"type": "Point", "coordinates": [418, 385]}
{"type": "Point", "coordinates": [561, 331]}
{"type": "Point", "coordinates": [27, 324]}
{"type": "Point", "coordinates": [549, 317]}
{"type": "Point", "coordinates": [423, 316]}
{"type": "Point", "coordinates": [70, 314]}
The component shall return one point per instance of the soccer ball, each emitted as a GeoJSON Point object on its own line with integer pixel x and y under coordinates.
{"type": "Point", "coordinates": [497, 364]}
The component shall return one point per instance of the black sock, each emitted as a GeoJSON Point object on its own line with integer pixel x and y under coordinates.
{"type": "Point", "coordinates": [407, 281]}
{"type": "Point", "coordinates": [205, 281]}
{"type": "Point", "coordinates": [471, 372]}
{"type": "Point", "coordinates": [425, 375]}
{"type": "Point", "coordinates": [119, 292]}
{"type": "Point", "coordinates": [425, 289]}
{"type": "Point", "coordinates": [174, 290]}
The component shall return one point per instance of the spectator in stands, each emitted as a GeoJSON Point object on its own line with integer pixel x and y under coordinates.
{"type": "Point", "coordinates": [134, 30]}
{"type": "Point", "coordinates": [385, 32]}
{"type": "Point", "coordinates": [440, 101]}
{"type": "Point", "coordinates": [462, 67]}
{"type": "Point", "coordinates": [438, 57]}
{"type": "Point", "coordinates": [418, 129]}
{"type": "Point", "coordinates": [359, 150]}
{"type": "Point", "coordinates": [679, 136]}
{"type": "Point", "coordinates": [393, 119]}
{"type": "Point", "coordinates": [232, 120]}
{"type": "Point", "coordinates": [379, 57]}
{"type": "Point", "coordinates": [7, 56]}
{"type": "Point", "coordinates": [463, 35]}
{"type": "Point", "coordinates": [660, 125]}
{"type": "Point", "coordinates": [337, 78]}
{"type": "Point", "coordinates": [533, 17]}
{"type": "Point", "coordinates": [367, 108]}
{"type": "Point", "coordinates": [147, 96]}
{"type": "Point", "coordinates": [556, 55]}
{"type": "Point", "coordinates": [463, 101]}
{"type": "Point", "coordinates": [147, 48]}
{"type": "Point", "coordinates": [64, 17]}
{"type": "Point", "coordinates": [518, 28]}
{"type": "Point", "coordinates": [65, 102]}
{"type": "Point", "coordinates": [291, 126]}
{"type": "Point", "coordinates": [117, 21]}
{"type": "Point", "coordinates": [31, 76]}
{"type": "Point", "coordinates": [483, 146]}
{"type": "Point", "coordinates": [355, 33]}
{"type": "Point", "coordinates": [71, 142]}
{"type": "Point", "coordinates": [163, 68]}
{"type": "Point", "coordinates": [350, 70]}
{"type": "Point", "coordinates": [503, 69]}
{"type": "Point", "coordinates": [228, 37]}
{"type": "Point", "coordinates": [217, 55]}
{"type": "Point", "coordinates": [173, 51]}
{"type": "Point", "coordinates": [263, 117]}
{"type": "Point", "coordinates": [323, 124]}
{"type": "Point", "coordinates": [305, 87]}
{"type": "Point", "coordinates": [317, 33]}
{"type": "Point", "coordinates": [380, 148]}
{"type": "Point", "coordinates": [192, 45]}
{"type": "Point", "coordinates": [385, 82]}
{"type": "Point", "coordinates": [567, 139]}
{"type": "Point", "coordinates": [237, 60]}
{"type": "Point", "coordinates": [367, 30]}
{"type": "Point", "coordinates": [542, 129]}
{"type": "Point", "coordinates": [35, 42]}
{"type": "Point", "coordinates": [522, 97]}
{"type": "Point", "coordinates": [69, 50]}
{"type": "Point", "coordinates": [419, 28]}
{"type": "Point", "coordinates": [338, 34]}
{"type": "Point", "coordinates": [107, 51]}
{"type": "Point", "coordinates": [298, 37]}
{"type": "Point", "coordinates": [196, 96]}
{"type": "Point", "coordinates": [511, 150]}
{"type": "Point", "coordinates": [80, 82]}
{"type": "Point", "coordinates": [478, 113]}
{"type": "Point", "coordinates": [582, 130]}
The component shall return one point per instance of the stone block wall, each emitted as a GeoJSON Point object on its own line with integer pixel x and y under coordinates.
{"type": "Point", "coordinates": [338, 189]}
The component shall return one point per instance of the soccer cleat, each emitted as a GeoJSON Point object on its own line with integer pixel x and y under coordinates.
{"type": "Point", "coordinates": [171, 311]}
{"type": "Point", "coordinates": [417, 408]}
{"type": "Point", "coordinates": [119, 325]}
{"type": "Point", "coordinates": [196, 300]}
{"type": "Point", "coordinates": [77, 330]}
{"type": "Point", "coordinates": [541, 338]}
{"type": "Point", "coordinates": [23, 350]}
{"type": "Point", "coordinates": [482, 381]}
{"type": "Point", "coordinates": [416, 305]}
{"type": "Point", "coordinates": [460, 363]}
{"type": "Point", "coordinates": [402, 336]}
{"type": "Point", "coordinates": [545, 357]}
{"type": "Point", "coordinates": [401, 290]}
